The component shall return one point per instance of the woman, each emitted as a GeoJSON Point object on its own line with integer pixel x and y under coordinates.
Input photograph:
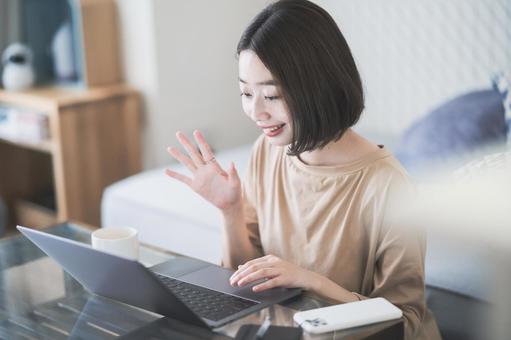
{"type": "Point", "coordinates": [311, 210]}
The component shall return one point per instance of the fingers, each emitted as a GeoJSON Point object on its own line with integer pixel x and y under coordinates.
{"type": "Point", "coordinates": [204, 147]}
{"type": "Point", "coordinates": [207, 153]}
{"type": "Point", "coordinates": [264, 273]}
{"type": "Point", "coordinates": [242, 273]}
{"type": "Point", "coordinates": [190, 148]}
{"type": "Point", "coordinates": [187, 162]}
{"type": "Point", "coordinates": [205, 157]}
{"type": "Point", "coordinates": [276, 272]}
{"type": "Point", "coordinates": [179, 177]}
{"type": "Point", "coordinates": [275, 282]}
{"type": "Point", "coordinates": [233, 173]}
{"type": "Point", "coordinates": [248, 268]}
{"type": "Point", "coordinates": [248, 265]}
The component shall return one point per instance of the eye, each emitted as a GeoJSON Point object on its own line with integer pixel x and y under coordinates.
{"type": "Point", "coordinates": [245, 94]}
{"type": "Point", "coordinates": [271, 98]}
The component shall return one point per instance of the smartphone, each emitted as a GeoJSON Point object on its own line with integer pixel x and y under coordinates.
{"type": "Point", "coordinates": [347, 315]}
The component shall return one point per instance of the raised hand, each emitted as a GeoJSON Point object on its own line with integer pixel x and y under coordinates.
{"type": "Point", "coordinates": [221, 188]}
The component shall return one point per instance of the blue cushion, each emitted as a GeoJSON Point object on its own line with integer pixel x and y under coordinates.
{"type": "Point", "coordinates": [458, 127]}
{"type": "Point", "coordinates": [502, 84]}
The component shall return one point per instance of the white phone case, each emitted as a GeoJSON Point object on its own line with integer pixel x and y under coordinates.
{"type": "Point", "coordinates": [347, 315]}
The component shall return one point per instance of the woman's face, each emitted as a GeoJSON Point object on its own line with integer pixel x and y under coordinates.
{"type": "Point", "coordinates": [262, 100]}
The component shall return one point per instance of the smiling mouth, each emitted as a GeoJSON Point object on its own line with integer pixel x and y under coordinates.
{"type": "Point", "coordinates": [273, 130]}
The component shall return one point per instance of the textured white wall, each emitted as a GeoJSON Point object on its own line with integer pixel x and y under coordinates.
{"type": "Point", "coordinates": [412, 54]}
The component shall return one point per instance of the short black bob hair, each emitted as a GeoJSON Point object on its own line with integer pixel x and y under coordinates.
{"type": "Point", "coordinates": [302, 47]}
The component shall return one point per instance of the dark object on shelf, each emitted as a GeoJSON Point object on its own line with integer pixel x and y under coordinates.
{"type": "Point", "coordinates": [3, 217]}
{"type": "Point", "coordinates": [47, 200]}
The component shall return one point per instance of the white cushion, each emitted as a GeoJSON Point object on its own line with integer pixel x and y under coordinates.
{"type": "Point", "coordinates": [167, 213]}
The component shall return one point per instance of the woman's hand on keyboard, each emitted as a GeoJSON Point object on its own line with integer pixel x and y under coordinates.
{"type": "Point", "coordinates": [277, 272]}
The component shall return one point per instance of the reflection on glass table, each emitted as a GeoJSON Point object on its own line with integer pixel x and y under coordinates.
{"type": "Point", "coordinates": [38, 300]}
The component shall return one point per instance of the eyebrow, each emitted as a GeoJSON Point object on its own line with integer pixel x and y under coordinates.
{"type": "Point", "coordinates": [266, 82]}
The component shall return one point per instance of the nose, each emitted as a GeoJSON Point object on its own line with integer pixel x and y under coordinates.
{"type": "Point", "coordinates": [257, 110]}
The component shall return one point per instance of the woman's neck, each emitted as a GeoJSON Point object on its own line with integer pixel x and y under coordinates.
{"type": "Point", "coordinates": [349, 148]}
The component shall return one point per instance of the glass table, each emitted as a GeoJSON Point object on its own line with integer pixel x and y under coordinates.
{"type": "Point", "coordinates": [38, 300]}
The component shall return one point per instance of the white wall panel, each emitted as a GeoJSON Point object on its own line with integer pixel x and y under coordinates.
{"type": "Point", "coordinates": [198, 71]}
{"type": "Point", "coordinates": [138, 45]}
{"type": "Point", "coordinates": [413, 54]}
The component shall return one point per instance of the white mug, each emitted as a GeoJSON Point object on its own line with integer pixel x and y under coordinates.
{"type": "Point", "coordinates": [118, 241]}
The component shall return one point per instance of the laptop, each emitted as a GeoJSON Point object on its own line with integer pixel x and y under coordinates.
{"type": "Point", "coordinates": [185, 289]}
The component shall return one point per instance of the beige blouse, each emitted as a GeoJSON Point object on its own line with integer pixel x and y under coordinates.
{"type": "Point", "coordinates": [331, 220]}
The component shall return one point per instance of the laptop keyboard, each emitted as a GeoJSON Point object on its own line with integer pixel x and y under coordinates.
{"type": "Point", "coordinates": [205, 302]}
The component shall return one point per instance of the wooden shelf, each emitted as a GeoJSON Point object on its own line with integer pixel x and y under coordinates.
{"type": "Point", "coordinates": [46, 146]}
{"type": "Point", "coordinates": [95, 141]}
{"type": "Point", "coordinates": [94, 129]}
{"type": "Point", "coordinates": [29, 214]}
{"type": "Point", "coordinates": [52, 98]}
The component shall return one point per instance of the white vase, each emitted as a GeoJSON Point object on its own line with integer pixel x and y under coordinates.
{"type": "Point", "coordinates": [17, 77]}
{"type": "Point", "coordinates": [62, 50]}
{"type": "Point", "coordinates": [18, 72]}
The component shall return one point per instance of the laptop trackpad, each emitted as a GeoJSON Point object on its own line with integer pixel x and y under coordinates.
{"type": "Point", "coordinates": [179, 266]}
{"type": "Point", "coordinates": [217, 278]}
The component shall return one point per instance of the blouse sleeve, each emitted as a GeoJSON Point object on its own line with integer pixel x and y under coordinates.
{"type": "Point", "coordinates": [399, 267]}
